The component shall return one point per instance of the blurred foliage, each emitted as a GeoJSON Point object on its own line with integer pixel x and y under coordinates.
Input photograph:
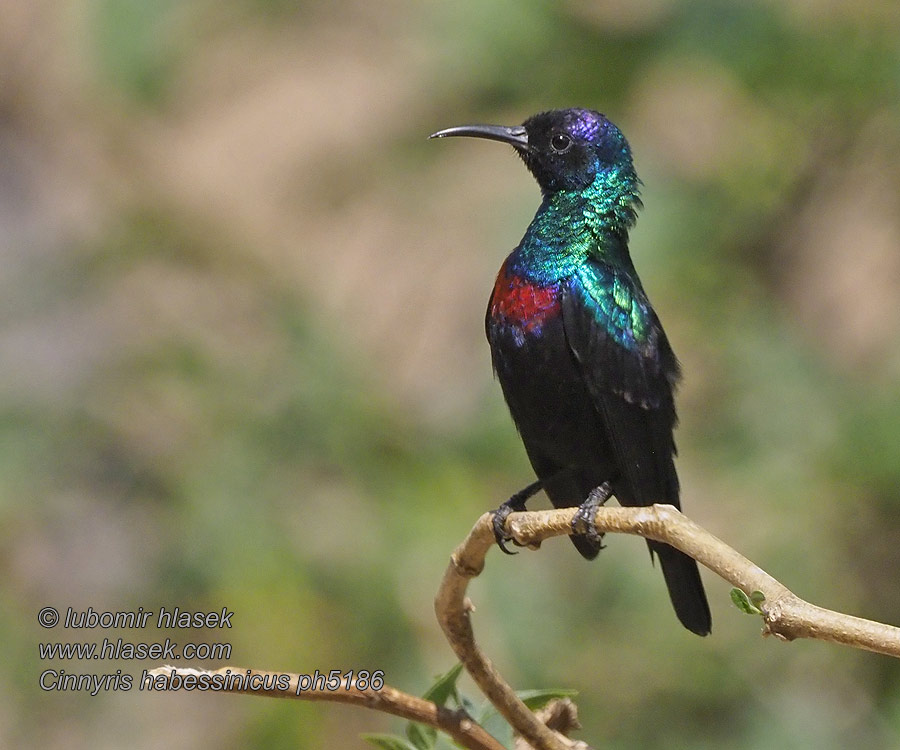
{"type": "Point", "coordinates": [245, 364]}
{"type": "Point", "coordinates": [444, 692]}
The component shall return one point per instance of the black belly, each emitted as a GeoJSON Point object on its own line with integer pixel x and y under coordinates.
{"type": "Point", "coordinates": [550, 404]}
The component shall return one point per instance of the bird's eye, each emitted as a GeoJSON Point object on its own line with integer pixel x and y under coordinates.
{"type": "Point", "coordinates": [560, 143]}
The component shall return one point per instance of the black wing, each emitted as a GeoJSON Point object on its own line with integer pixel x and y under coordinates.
{"type": "Point", "coordinates": [630, 371]}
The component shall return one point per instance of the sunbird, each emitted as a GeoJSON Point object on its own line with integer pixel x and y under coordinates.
{"type": "Point", "coordinates": [583, 361]}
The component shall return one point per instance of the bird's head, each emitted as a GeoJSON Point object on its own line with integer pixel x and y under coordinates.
{"type": "Point", "coordinates": [565, 149]}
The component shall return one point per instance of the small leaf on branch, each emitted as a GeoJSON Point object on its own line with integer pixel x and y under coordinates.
{"type": "Point", "coordinates": [747, 604]}
{"type": "Point", "coordinates": [489, 718]}
{"type": "Point", "coordinates": [499, 728]}
{"type": "Point", "coordinates": [421, 736]}
{"type": "Point", "coordinates": [444, 686]}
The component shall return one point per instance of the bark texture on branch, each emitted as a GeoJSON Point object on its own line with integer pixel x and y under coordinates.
{"type": "Point", "coordinates": [453, 609]}
{"type": "Point", "coordinates": [457, 724]}
{"type": "Point", "coordinates": [785, 614]}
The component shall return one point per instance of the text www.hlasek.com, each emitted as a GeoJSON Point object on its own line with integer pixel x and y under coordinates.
{"type": "Point", "coordinates": [119, 649]}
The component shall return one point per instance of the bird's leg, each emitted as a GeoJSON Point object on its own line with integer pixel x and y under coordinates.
{"type": "Point", "coordinates": [515, 503]}
{"type": "Point", "coordinates": [586, 515]}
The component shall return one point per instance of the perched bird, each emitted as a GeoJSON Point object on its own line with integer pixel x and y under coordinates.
{"type": "Point", "coordinates": [585, 367]}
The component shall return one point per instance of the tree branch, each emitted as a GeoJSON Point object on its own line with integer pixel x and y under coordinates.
{"type": "Point", "coordinates": [785, 615]}
{"type": "Point", "coordinates": [457, 724]}
{"type": "Point", "coordinates": [453, 607]}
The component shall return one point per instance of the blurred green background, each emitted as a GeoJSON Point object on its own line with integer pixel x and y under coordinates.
{"type": "Point", "coordinates": [244, 362]}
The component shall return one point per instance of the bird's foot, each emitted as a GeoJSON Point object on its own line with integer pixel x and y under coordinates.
{"type": "Point", "coordinates": [583, 522]}
{"type": "Point", "coordinates": [514, 504]}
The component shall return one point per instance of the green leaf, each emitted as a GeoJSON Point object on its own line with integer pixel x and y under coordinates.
{"type": "Point", "coordinates": [465, 704]}
{"type": "Point", "coordinates": [387, 741]}
{"type": "Point", "coordinates": [496, 726]}
{"type": "Point", "coordinates": [534, 699]}
{"type": "Point", "coordinates": [747, 604]}
{"type": "Point", "coordinates": [444, 686]}
{"type": "Point", "coordinates": [421, 735]}
{"type": "Point", "coordinates": [757, 597]}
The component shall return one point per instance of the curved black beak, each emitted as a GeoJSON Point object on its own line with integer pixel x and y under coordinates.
{"type": "Point", "coordinates": [514, 136]}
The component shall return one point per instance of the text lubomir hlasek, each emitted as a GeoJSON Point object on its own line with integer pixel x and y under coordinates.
{"type": "Point", "coordinates": [142, 618]}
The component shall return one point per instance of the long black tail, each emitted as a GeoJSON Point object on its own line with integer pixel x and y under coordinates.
{"type": "Point", "coordinates": [685, 588]}
{"type": "Point", "coordinates": [567, 489]}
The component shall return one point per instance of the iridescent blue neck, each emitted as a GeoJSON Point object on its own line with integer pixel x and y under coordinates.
{"type": "Point", "coordinates": [571, 226]}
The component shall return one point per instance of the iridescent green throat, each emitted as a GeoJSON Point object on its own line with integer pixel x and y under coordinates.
{"type": "Point", "coordinates": [572, 225]}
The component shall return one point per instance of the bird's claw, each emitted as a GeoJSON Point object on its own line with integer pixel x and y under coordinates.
{"type": "Point", "coordinates": [514, 504]}
{"type": "Point", "coordinates": [584, 520]}
{"type": "Point", "coordinates": [499, 524]}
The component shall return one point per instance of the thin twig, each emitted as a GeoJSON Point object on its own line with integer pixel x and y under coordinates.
{"type": "Point", "coordinates": [785, 614]}
{"type": "Point", "coordinates": [457, 724]}
{"type": "Point", "coordinates": [453, 608]}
